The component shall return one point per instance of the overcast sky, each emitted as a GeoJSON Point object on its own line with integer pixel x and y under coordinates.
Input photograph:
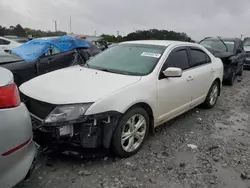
{"type": "Point", "coordinates": [198, 18]}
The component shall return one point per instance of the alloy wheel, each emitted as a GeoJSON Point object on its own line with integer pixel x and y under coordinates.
{"type": "Point", "coordinates": [133, 132]}
{"type": "Point", "coordinates": [214, 94]}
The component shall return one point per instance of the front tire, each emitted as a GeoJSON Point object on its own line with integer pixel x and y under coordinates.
{"type": "Point", "coordinates": [231, 78]}
{"type": "Point", "coordinates": [130, 132]}
{"type": "Point", "coordinates": [212, 95]}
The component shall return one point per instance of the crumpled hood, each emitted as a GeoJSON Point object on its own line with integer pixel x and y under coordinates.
{"type": "Point", "coordinates": [247, 48]}
{"type": "Point", "coordinates": [75, 85]}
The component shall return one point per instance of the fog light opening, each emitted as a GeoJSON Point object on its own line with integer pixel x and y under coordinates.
{"type": "Point", "coordinates": [67, 130]}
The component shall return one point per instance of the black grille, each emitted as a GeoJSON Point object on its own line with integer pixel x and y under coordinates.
{"type": "Point", "coordinates": [38, 108]}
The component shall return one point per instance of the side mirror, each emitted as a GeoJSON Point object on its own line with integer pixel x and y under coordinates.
{"type": "Point", "coordinates": [173, 72]}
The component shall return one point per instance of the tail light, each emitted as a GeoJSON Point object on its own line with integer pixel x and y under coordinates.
{"type": "Point", "coordinates": [9, 96]}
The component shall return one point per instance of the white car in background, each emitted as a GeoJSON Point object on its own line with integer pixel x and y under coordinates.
{"type": "Point", "coordinates": [122, 94]}
{"type": "Point", "coordinates": [8, 44]}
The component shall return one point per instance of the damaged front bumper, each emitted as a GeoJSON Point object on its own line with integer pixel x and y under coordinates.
{"type": "Point", "coordinates": [91, 131]}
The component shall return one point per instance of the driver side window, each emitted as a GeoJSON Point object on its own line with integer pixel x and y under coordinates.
{"type": "Point", "coordinates": [177, 58]}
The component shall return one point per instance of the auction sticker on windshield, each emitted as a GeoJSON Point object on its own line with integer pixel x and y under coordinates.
{"type": "Point", "coordinates": [148, 54]}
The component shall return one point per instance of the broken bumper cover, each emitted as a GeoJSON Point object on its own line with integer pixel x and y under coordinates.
{"type": "Point", "coordinates": [91, 131]}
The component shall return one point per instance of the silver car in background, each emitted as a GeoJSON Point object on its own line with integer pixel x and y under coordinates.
{"type": "Point", "coordinates": [17, 149]}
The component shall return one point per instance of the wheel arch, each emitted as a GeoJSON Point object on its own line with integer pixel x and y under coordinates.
{"type": "Point", "coordinates": [220, 84]}
{"type": "Point", "coordinates": [149, 111]}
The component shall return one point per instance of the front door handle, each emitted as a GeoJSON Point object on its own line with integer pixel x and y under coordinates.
{"type": "Point", "coordinates": [190, 78]}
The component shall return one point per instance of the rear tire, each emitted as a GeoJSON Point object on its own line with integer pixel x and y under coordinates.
{"type": "Point", "coordinates": [126, 139]}
{"type": "Point", "coordinates": [212, 95]}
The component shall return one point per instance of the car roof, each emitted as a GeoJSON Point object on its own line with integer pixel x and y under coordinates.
{"type": "Point", "coordinates": [224, 39]}
{"type": "Point", "coordinates": [230, 39]}
{"type": "Point", "coordinates": [47, 38]}
{"type": "Point", "coordinates": [156, 42]}
{"type": "Point", "coordinates": [5, 39]}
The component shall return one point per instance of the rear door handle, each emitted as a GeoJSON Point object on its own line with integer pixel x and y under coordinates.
{"type": "Point", "coordinates": [212, 70]}
{"type": "Point", "coordinates": [190, 78]}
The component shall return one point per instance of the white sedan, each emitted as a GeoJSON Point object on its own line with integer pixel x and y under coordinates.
{"type": "Point", "coordinates": [7, 44]}
{"type": "Point", "coordinates": [122, 94]}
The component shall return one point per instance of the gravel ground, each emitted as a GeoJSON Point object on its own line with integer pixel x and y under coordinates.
{"type": "Point", "coordinates": [169, 159]}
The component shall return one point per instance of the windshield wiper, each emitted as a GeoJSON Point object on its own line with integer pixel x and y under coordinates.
{"type": "Point", "coordinates": [87, 64]}
{"type": "Point", "coordinates": [107, 70]}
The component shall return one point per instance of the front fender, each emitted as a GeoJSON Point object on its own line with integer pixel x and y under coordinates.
{"type": "Point", "coordinates": [123, 99]}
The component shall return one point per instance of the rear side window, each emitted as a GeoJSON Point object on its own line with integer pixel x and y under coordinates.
{"type": "Point", "coordinates": [178, 59]}
{"type": "Point", "coordinates": [198, 57]}
{"type": "Point", "coordinates": [4, 42]}
{"type": "Point", "coordinates": [52, 51]}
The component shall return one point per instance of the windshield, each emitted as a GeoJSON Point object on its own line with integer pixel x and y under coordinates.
{"type": "Point", "coordinates": [218, 45]}
{"type": "Point", "coordinates": [214, 44]}
{"type": "Point", "coordinates": [247, 43]}
{"type": "Point", "coordinates": [131, 59]}
{"type": "Point", "coordinates": [230, 45]}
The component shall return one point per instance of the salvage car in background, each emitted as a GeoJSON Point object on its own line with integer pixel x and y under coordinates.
{"type": "Point", "coordinates": [232, 54]}
{"type": "Point", "coordinates": [17, 149]}
{"type": "Point", "coordinates": [7, 44]}
{"type": "Point", "coordinates": [102, 45]}
{"type": "Point", "coordinates": [247, 50]}
{"type": "Point", "coordinates": [93, 49]}
{"type": "Point", "coordinates": [44, 55]}
{"type": "Point", "coordinates": [79, 107]}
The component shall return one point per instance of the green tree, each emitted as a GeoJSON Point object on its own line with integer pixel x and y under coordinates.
{"type": "Point", "coordinates": [154, 34]}
{"type": "Point", "coordinates": [19, 31]}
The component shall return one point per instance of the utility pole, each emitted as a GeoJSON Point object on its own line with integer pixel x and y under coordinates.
{"type": "Point", "coordinates": [55, 25]}
{"type": "Point", "coordinates": [70, 25]}
{"type": "Point", "coordinates": [95, 33]}
{"type": "Point", "coordinates": [241, 36]}
{"type": "Point", "coordinates": [118, 33]}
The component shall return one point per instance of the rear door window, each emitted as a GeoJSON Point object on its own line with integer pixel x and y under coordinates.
{"type": "Point", "coordinates": [198, 57]}
{"type": "Point", "coordinates": [52, 51]}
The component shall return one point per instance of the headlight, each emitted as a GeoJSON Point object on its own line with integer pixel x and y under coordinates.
{"type": "Point", "coordinates": [67, 113]}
